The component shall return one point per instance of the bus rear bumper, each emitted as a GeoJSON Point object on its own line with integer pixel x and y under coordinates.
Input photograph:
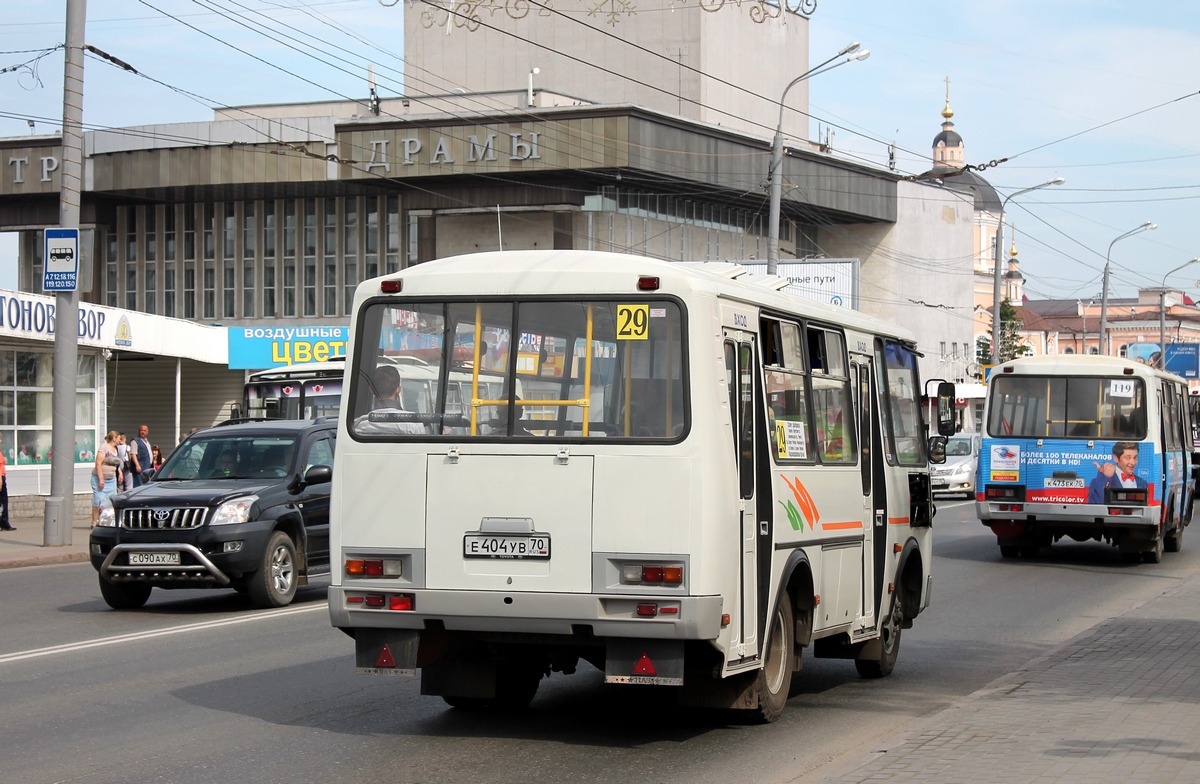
{"type": "Point", "coordinates": [1039, 524]}
{"type": "Point", "coordinates": [565, 615]}
{"type": "Point", "coordinates": [1067, 514]}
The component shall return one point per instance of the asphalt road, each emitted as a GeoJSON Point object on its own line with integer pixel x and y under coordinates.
{"type": "Point", "coordinates": [200, 687]}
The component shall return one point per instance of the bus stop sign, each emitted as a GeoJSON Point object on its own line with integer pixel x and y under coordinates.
{"type": "Point", "coordinates": [61, 260]}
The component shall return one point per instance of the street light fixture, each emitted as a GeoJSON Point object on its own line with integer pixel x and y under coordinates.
{"type": "Point", "coordinates": [775, 174]}
{"type": "Point", "coordinates": [1083, 311]}
{"type": "Point", "coordinates": [1105, 348]}
{"type": "Point", "coordinates": [1162, 314]}
{"type": "Point", "coordinates": [997, 253]}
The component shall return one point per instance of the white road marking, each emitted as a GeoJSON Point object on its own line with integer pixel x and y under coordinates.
{"type": "Point", "coordinates": [125, 638]}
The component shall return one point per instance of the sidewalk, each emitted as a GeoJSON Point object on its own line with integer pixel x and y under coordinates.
{"type": "Point", "coordinates": [1118, 703]}
{"type": "Point", "coordinates": [23, 547]}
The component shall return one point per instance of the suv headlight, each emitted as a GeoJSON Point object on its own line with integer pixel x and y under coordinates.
{"type": "Point", "coordinates": [108, 516]}
{"type": "Point", "coordinates": [236, 510]}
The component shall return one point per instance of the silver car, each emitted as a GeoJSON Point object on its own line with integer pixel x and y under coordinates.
{"type": "Point", "coordinates": [957, 475]}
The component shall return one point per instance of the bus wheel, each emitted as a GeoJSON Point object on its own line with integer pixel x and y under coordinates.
{"type": "Point", "coordinates": [1010, 551]}
{"type": "Point", "coordinates": [516, 685]}
{"type": "Point", "coordinates": [1155, 553]}
{"type": "Point", "coordinates": [1173, 542]}
{"type": "Point", "coordinates": [889, 635]}
{"type": "Point", "coordinates": [775, 678]}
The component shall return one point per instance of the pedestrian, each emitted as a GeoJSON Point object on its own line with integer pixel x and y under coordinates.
{"type": "Point", "coordinates": [5, 525]}
{"type": "Point", "coordinates": [156, 457]}
{"type": "Point", "coordinates": [124, 472]}
{"type": "Point", "coordinates": [104, 474]}
{"type": "Point", "coordinates": [140, 454]}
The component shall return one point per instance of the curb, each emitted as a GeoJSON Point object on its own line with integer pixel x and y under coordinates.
{"type": "Point", "coordinates": [43, 560]}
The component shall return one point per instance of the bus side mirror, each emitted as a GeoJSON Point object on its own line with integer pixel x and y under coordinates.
{"type": "Point", "coordinates": [945, 409]}
{"type": "Point", "coordinates": [937, 449]}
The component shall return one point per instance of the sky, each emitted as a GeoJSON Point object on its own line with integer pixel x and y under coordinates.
{"type": "Point", "coordinates": [1099, 93]}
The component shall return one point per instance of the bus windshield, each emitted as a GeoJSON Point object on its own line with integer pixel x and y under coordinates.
{"type": "Point", "coordinates": [516, 368]}
{"type": "Point", "coordinates": [1068, 407]}
{"type": "Point", "coordinates": [295, 392]}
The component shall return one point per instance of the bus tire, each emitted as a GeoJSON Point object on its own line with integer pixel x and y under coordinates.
{"type": "Point", "coordinates": [889, 634]}
{"type": "Point", "coordinates": [1155, 553]}
{"type": "Point", "coordinates": [1173, 542]}
{"type": "Point", "coordinates": [516, 685]}
{"type": "Point", "coordinates": [775, 677]}
{"type": "Point", "coordinates": [1010, 551]}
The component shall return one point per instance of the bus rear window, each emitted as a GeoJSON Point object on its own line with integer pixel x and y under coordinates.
{"type": "Point", "coordinates": [1067, 407]}
{"type": "Point", "coordinates": [515, 369]}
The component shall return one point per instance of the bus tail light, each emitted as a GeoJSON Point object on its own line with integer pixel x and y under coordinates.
{"type": "Point", "coordinates": [1005, 493]}
{"type": "Point", "coordinates": [393, 286]}
{"type": "Point", "coordinates": [1130, 495]}
{"type": "Point", "coordinates": [648, 283]}
{"type": "Point", "coordinates": [374, 567]}
{"type": "Point", "coordinates": [402, 602]}
{"type": "Point", "coordinates": [651, 574]}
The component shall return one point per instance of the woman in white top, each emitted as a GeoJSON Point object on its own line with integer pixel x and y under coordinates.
{"type": "Point", "coordinates": [104, 474]}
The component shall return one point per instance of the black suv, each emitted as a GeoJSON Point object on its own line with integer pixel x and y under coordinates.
{"type": "Point", "coordinates": [242, 505]}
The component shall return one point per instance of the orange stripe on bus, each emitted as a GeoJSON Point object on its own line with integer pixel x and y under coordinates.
{"type": "Point", "coordinates": [842, 526]}
{"type": "Point", "coordinates": [897, 521]}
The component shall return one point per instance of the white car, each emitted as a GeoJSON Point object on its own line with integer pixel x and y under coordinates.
{"type": "Point", "coordinates": [957, 475]}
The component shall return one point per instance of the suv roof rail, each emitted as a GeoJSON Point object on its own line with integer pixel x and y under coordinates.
{"type": "Point", "coordinates": [243, 420]}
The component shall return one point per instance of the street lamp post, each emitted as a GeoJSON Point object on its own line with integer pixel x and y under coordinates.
{"type": "Point", "coordinates": [1162, 314]}
{"type": "Point", "coordinates": [997, 253]}
{"type": "Point", "coordinates": [1083, 312]}
{"type": "Point", "coordinates": [776, 171]}
{"type": "Point", "coordinates": [1104, 342]}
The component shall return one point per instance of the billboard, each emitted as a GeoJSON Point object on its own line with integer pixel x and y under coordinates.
{"type": "Point", "coordinates": [834, 281]}
{"type": "Point", "coordinates": [1183, 359]}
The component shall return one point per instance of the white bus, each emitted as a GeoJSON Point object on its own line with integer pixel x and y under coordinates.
{"type": "Point", "coordinates": [303, 391]}
{"type": "Point", "coordinates": [1088, 448]}
{"type": "Point", "coordinates": [314, 389]}
{"type": "Point", "coordinates": [673, 472]}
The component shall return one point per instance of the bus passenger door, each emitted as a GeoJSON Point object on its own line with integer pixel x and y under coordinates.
{"type": "Point", "coordinates": [874, 491]}
{"type": "Point", "coordinates": [740, 372]}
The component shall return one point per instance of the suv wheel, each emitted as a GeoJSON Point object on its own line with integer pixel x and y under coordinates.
{"type": "Point", "coordinates": [274, 584]}
{"type": "Point", "coordinates": [124, 596]}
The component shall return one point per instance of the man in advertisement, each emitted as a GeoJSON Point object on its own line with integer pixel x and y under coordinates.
{"type": "Point", "coordinates": [1120, 473]}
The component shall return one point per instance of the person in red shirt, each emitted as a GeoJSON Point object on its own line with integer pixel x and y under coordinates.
{"type": "Point", "coordinates": [5, 525]}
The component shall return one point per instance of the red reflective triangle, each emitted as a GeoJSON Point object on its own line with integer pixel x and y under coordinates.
{"type": "Point", "coordinates": [644, 666]}
{"type": "Point", "coordinates": [385, 658]}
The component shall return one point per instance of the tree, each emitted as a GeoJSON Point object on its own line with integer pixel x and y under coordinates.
{"type": "Point", "coordinates": [1011, 346]}
{"type": "Point", "coordinates": [1010, 329]}
{"type": "Point", "coordinates": [983, 351]}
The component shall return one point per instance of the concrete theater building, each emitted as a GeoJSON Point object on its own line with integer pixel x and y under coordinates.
{"type": "Point", "coordinates": [268, 216]}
